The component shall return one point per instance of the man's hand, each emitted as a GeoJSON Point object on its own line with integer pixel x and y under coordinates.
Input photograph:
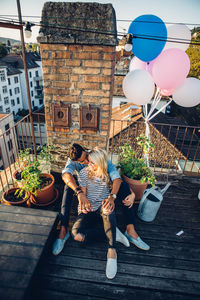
{"type": "Point", "coordinates": [85, 205]}
{"type": "Point", "coordinates": [108, 204]}
{"type": "Point", "coordinates": [129, 200]}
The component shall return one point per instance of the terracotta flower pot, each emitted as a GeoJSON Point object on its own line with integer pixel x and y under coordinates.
{"type": "Point", "coordinates": [20, 202]}
{"type": "Point", "coordinates": [16, 176]}
{"type": "Point", "coordinates": [136, 186]}
{"type": "Point", "coordinates": [46, 194]}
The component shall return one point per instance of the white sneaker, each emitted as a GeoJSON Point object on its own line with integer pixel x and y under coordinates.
{"type": "Point", "coordinates": [111, 267]}
{"type": "Point", "coordinates": [122, 238]}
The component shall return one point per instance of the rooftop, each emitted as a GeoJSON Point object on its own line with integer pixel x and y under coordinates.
{"type": "Point", "coordinates": [169, 270]}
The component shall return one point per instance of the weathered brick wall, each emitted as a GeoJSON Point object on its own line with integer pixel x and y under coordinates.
{"type": "Point", "coordinates": [79, 75]}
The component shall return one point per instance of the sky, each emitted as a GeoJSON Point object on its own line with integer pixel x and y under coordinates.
{"type": "Point", "coordinates": [170, 11]}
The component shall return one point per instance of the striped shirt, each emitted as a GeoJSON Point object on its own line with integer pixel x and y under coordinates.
{"type": "Point", "coordinates": [96, 189]}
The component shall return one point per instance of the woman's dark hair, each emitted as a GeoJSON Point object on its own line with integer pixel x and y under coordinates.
{"type": "Point", "coordinates": [75, 151]}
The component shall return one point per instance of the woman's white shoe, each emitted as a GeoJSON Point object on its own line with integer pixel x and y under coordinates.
{"type": "Point", "coordinates": [111, 267]}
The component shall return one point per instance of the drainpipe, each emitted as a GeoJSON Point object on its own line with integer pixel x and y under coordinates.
{"type": "Point", "coordinates": [26, 76]}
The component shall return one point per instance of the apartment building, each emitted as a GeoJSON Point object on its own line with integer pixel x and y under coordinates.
{"type": "Point", "coordinates": [13, 83]}
{"type": "Point", "coordinates": [8, 145]}
{"type": "Point", "coordinates": [10, 89]}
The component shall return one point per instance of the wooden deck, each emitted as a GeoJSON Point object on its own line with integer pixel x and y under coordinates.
{"type": "Point", "coordinates": [24, 233]}
{"type": "Point", "coordinates": [170, 270]}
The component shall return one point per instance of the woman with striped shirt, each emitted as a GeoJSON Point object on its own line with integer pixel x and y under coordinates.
{"type": "Point", "coordinates": [94, 181]}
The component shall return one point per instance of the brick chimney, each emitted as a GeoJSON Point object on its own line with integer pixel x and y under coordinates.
{"type": "Point", "coordinates": [78, 59]}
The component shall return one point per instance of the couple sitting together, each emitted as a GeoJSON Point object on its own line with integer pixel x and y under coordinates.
{"type": "Point", "coordinates": [98, 187]}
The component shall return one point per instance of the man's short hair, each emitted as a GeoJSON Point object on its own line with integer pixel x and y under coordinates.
{"type": "Point", "coordinates": [75, 151]}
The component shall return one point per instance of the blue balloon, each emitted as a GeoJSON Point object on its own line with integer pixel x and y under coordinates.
{"type": "Point", "coordinates": [149, 37]}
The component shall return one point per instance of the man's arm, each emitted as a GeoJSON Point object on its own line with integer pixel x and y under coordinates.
{"type": "Point", "coordinates": [82, 199]}
{"type": "Point", "coordinates": [109, 203]}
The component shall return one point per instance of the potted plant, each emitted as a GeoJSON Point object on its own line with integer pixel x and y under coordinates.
{"type": "Point", "coordinates": [14, 197]}
{"type": "Point", "coordinates": [134, 167]}
{"type": "Point", "coordinates": [32, 181]}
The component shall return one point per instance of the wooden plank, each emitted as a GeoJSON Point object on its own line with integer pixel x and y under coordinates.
{"type": "Point", "coordinates": [27, 211]}
{"type": "Point", "coordinates": [11, 294]}
{"type": "Point", "coordinates": [25, 219]}
{"type": "Point", "coordinates": [124, 257]}
{"type": "Point", "coordinates": [60, 288]}
{"type": "Point", "coordinates": [20, 247]}
{"type": "Point", "coordinates": [24, 228]}
{"type": "Point", "coordinates": [90, 274]}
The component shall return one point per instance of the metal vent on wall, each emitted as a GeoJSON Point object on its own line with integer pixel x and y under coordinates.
{"type": "Point", "coordinates": [61, 115]}
{"type": "Point", "coordinates": [89, 118]}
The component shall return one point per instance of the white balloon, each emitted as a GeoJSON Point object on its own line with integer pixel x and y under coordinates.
{"type": "Point", "coordinates": [179, 33]}
{"type": "Point", "coordinates": [136, 63]}
{"type": "Point", "coordinates": [188, 93]}
{"type": "Point", "coordinates": [138, 87]}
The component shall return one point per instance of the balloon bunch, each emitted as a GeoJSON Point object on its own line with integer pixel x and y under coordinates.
{"type": "Point", "coordinates": [160, 62]}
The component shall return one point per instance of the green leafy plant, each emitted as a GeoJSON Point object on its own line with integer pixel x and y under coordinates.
{"type": "Point", "coordinates": [133, 164]}
{"type": "Point", "coordinates": [30, 175]}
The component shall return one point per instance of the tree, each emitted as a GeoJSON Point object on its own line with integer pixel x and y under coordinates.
{"type": "Point", "coordinates": [194, 53]}
{"type": "Point", "coordinates": [3, 50]}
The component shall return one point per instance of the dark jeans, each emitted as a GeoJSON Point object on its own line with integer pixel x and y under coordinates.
{"type": "Point", "coordinates": [68, 195]}
{"type": "Point", "coordinates": [88, 225]}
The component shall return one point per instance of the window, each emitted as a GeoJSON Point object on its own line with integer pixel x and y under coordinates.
{"type": "Point", "coordinates": [35, 127]}
{"type": "Point", "coordinates": [1, 108]}
{"type": "Point", "coordinates": [4, 89]}
{"type": "Point", "coordinates": [42, 128]}
{"type": "Point", "coordinates": [31, 93]}
{"type": "Point", "coordinates": [16, 90]}
{"type": "Point", "coordinates": [31, 84]}
{"type": "Point", "coordinates": [30, 75]}
{"type": "Point", "coordinates": [7, 126]}
{"type": "Point", "coordinates": [33, 103]}
{"type": "Point", "coordinates": [9, 81]}
{"type": "Point", "coordinates": [13, 102]}
{"type": "Point", "coordinates": [0, 98]}
{"type": "Point", "coordinates": [6, 100]}
{"type": "Point", "coordinates": [8, 110]}
{"type": "Point", "coordinates": [2, 75]}
{"type": "Point", "coordinates": [41, 101]}
{"type": "Point", "coordinates": [10, 92]}
{"type": "Point", "coordinates": [16, 79]}
{"type": "Point", "coordinates": [18, 100]}
{"type": "Point", "coordinates": [10, 145]}
{"type": "Point", "coordinates": [36, 74]}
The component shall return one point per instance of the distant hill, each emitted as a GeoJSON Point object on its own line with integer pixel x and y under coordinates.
{"type": "Point", "coordinates": [12, 41]}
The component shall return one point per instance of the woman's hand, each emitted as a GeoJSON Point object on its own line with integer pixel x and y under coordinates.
{"type": "Point", "coordinates": [108, 205]}
{"type": "Point", "coordinates": [85, 205]}
{"type": "Point", "coordinates": [129, 200]}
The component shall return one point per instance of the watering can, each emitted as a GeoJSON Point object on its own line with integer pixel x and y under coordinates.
{"type": "Point", "coordinates": [150, 203]}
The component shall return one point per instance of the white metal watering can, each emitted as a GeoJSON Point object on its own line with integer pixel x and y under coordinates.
{"type": "Point", "coordinates": [150, 203]}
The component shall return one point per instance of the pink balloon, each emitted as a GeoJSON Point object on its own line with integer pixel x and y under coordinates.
{"type": "Point", "coordinates": [170, 68]}
{"type": "Point", "coordinates": [166, 92]}
{"type": "Point", "coordinates": [136, 64]}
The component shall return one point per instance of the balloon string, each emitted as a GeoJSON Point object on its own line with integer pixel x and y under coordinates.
{"type": "Point", "coordinates": [166, 104]}
{"type": "Point", "coordinates": [154, 103]}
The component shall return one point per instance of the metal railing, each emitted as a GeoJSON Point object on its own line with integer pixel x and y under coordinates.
{"type": "Point", "coordinates": [18, 137]}
{"type": "Point", "coordinates": [177, 147]}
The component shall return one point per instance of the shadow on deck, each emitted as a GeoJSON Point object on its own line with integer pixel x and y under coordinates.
{"type": "Point", "coordinates": [169, 270]}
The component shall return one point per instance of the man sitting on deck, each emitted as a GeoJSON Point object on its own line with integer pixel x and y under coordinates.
{"type": "Point", "coordinates": [77, 160]}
